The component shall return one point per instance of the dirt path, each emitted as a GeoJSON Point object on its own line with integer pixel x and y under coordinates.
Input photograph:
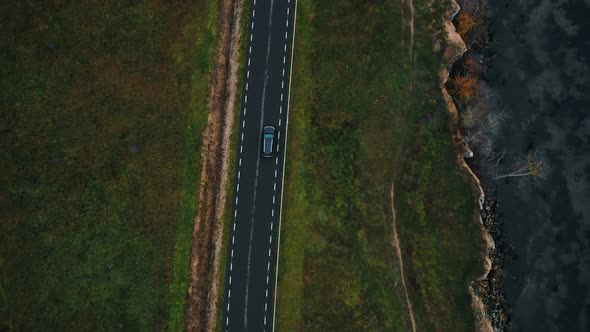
{"type": "Point", "coordinates": [411, 5]}
{"type": "Point", "coordinates": [408, 109]}
{"type": "Point", "coordinates": [396, 245]}
{"type": "Point", "coordinates": [203, 292]}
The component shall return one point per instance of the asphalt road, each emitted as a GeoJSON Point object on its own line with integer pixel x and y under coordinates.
{"type": "Point", "coordinates": [252, 257]}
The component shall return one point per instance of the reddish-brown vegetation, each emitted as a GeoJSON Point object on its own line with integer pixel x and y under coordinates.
{"type": "Point", "coordinates": [470, 66]}
{"type": "Point", "coordinates": [463, 87]}
{"type": "Point", "coordinates": [465, 22]}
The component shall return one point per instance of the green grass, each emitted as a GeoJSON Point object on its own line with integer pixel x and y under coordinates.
{"type": "Point", "coordinates": [102, 108]}
{"type": "Point", "coordinates": [192, 172]}
{"type": "Point", "coordinates": [350, 114]}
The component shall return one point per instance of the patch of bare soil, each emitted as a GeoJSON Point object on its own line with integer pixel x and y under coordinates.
{"type": "Point", "coordinates": [454, 50]}
{"type": "Point", "coordinates": [203, 292]}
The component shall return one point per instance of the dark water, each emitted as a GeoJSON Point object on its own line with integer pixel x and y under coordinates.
{"type": "Point", "coordinates": [541, 72]}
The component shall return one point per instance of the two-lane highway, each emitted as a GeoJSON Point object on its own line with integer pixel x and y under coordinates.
{"type": "Point", "coordinates": [253, 243]}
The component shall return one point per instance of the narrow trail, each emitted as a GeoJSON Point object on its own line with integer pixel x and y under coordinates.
{"type": "Point", "coordinates": [408, 108]}
{"type": "Point", "coordinates": [411, 5]}
{"type": "Point", "coordinates": [398, 251]}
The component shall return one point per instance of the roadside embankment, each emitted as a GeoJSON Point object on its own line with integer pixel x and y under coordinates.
{"type": "Point", "coordinates": [206, 253]}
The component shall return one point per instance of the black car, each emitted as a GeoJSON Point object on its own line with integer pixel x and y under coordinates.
{"type": "Point", "coordinates": [268, 137]}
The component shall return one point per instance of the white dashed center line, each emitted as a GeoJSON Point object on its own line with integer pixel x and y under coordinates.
{"type": "Point", "coordinates": [274, 197]}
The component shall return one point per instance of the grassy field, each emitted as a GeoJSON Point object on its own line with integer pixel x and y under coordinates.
{"type": "Point", "coordinates": [102, 111]}
{"type": "Point", "coordinates": [192, 168]}
{"type": "Point", "coordinates": [351, 113]}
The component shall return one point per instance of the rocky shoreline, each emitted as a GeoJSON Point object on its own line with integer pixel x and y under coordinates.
{"type": "Point", "coordinates": [464, 54]}
{"type": "Point", "coordinates": [491, 288]}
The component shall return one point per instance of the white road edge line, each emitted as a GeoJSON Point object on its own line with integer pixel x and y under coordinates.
{"type": "Point", "coordinates": [274, 311]}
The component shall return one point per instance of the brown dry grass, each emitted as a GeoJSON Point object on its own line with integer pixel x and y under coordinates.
{"type": "Point", "coordinates": [201, 309]}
